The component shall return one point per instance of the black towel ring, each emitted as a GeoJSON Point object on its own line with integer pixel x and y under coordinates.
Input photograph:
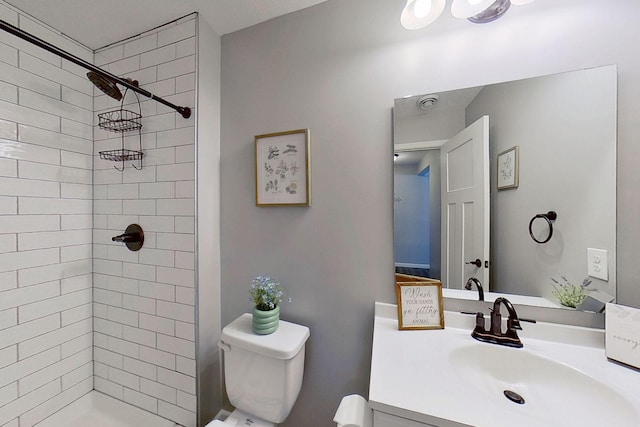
{"type": "Point", "coordinates": [549, 216]}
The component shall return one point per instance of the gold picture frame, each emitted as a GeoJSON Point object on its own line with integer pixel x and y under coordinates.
{"type": "Point", "coordinates": [508, 168]}
{"type": "Point", "coordinates": [283, 168]}
{"type": "Point", "coordinates": [420, 305]}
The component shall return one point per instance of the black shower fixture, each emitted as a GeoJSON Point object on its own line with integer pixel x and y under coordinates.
{"type": "Point", "coordinates": [104, 80]}
{"type": "Point", "coordinates": [106, 85]}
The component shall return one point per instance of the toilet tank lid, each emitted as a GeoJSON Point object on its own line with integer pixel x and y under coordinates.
{"type": "Point", "coordinates": [284, 343]}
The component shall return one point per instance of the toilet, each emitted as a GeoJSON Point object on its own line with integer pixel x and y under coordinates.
{"type": "Point", "coordinates": [263, 373]}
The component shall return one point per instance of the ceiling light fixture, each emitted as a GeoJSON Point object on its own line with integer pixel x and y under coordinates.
{"type": "Point", "coordinates": [493, 12]}
{"type": "Point", "coordinates": [420, 13]}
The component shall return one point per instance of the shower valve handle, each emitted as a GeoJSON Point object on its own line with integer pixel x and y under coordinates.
{"type": "Point", "coordinates": [133, 237]}
{"type": "Point", "coordinates": [127, 238]}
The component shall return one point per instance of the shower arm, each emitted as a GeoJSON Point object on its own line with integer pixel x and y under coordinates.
{"type": "Point", "coordinates": [184, 111]}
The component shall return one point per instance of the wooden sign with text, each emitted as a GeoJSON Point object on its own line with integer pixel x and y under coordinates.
{"type": "Point", "coordinates": [420, 305]}
{"type": "Point", "coordinates": [622, 334]}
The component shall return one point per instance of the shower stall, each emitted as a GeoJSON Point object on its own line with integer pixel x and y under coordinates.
{"type": "Point", "coordinates": [79, 312]}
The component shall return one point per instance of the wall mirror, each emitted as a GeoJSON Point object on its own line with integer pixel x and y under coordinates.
{"type": "Point", "coordinates": [549, 145]}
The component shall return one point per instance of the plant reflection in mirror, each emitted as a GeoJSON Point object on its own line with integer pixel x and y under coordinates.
{"type": "Point", "coordinates": [569, 294]}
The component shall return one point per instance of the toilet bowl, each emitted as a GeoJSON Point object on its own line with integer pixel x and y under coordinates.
{"type": "Point", "coordinates": [263, 373]}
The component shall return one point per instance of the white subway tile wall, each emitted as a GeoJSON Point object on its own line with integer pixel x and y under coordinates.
{"type": "Point", "coordinates": [46, 147]}
{"type": "Point", "coordinates": [78, 311]}
{"type": "Point", "coordinates": [143, 303]}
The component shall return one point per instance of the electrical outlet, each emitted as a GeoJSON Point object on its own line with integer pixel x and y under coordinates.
{"type": "Point", "coordinates": [598, 263]}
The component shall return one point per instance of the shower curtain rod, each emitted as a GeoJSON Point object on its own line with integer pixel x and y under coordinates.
{"type": "Point", "coordinates": [184, 111]}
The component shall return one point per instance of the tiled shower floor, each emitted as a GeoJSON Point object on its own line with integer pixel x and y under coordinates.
{"type": "Point", "coordinates": [99, 410]}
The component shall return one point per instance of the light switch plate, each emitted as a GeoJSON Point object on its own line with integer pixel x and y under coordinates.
{"type": "Point", "coordinates": [598, 263]}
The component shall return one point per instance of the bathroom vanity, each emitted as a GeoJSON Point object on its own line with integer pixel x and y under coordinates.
{"type": "Point", "coordinates": [445, 378]}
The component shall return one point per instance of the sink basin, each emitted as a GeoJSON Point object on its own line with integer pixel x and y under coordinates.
{"type": "Point", "coordinates": [540, 388]}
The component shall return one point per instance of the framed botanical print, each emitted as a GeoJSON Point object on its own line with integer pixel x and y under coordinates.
{"type": "Point", "coordinates": [508, 163]}
{"type": "Point", "coordinates": [283, 169]}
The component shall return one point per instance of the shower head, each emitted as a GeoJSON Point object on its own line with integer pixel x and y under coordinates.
{"type": "Point", "coordinates": [105, 84]}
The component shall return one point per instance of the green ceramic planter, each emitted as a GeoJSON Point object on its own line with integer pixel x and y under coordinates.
{"type": "Point", "coordinates": [265, 322]}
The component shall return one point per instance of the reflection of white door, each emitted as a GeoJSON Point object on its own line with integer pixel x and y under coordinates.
{"type": "Point", "coordinates": [465, 205]}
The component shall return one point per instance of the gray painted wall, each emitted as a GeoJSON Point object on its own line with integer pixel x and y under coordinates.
{"type": "Point", "coordinates": [324, 69]}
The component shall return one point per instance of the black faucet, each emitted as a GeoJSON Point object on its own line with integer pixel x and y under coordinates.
{"type": "Point", "coordinates": [478, 286]}
{"type": "Point", "coordinates": [495, 335]}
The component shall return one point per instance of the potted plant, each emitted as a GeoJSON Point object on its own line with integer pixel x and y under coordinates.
{"type": "Point", "coordinates": [266, 296]}
{"type": "Point", "coordinates": [569, 294]}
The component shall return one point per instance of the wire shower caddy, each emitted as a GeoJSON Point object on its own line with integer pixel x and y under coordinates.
{"type": "Point", "coordinates": [122, 121]}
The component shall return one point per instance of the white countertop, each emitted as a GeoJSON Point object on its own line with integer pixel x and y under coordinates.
{"type": "Point", "coordinates": [412, 375]}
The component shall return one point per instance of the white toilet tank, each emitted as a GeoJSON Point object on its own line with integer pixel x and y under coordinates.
{"type": "Point", "coordinates": [263, 373]}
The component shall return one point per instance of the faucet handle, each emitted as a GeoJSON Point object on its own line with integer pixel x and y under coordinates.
{"type": "Point", "coordinates": [480, 321]}
{"type": "Point", "coordinates": [513, 323]}
{"type": "Point", "coordinates": [479, 332]}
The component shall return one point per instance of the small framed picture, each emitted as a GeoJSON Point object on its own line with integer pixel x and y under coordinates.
{"type": "Point", "coordinates": [508, 172]}
{"type": "Point", "coordinates": [420, 305]}
{"type": "Point", "coordinates": [283, 169]}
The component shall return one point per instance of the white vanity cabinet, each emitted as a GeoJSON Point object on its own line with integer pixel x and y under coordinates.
{"type": "Point", "coordinates": [381, 419]}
